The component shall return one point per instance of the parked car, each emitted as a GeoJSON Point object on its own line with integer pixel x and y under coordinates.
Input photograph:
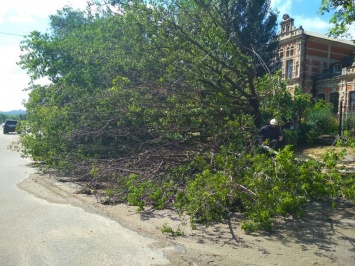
{"type": "Point", "coordinates": [9, 126]}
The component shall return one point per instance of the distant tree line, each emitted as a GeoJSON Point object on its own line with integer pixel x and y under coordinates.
{"type": "Point", "coordinates": [17, 115]}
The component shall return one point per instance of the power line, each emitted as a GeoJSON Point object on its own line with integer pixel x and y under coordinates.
{"type": "Point", "coordinates": [6, 33]}
{"type": "Point", "coordinates": [10, 44]}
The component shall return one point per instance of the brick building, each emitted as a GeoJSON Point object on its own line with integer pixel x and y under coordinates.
{"type": "Point", "coordinates": [320, 65]}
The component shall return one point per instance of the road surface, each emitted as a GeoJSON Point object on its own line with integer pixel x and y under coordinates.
{"type": "Point", "coordinates": [36, 232]}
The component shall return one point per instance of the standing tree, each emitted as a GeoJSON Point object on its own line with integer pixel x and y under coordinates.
{"type": "Point", "coordinates": [202, 63]}
{"type": "Point", "coordinates": [221, 48]}
{"type": "Point", "coordinates": [343, 16]}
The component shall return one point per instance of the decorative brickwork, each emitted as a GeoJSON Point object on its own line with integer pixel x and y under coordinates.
{"type": "Point", "coordinates": [316, 63]}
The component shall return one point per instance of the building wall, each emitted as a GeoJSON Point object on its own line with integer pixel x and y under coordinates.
{"type": "Point", "coordinates": [343, 85]}
{"type": "Point", "coordinates": [311, 55]}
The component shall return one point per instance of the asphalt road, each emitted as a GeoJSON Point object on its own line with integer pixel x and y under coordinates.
{"type": "Point", "coordinates": [36, 232]}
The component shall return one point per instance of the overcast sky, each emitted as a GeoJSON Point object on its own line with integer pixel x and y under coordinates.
{"type": "Point", "coordinates": [20, 17]}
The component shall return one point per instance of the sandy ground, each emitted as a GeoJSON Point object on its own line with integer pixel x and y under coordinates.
{"type": "Point", "coordinates": [322, 237]}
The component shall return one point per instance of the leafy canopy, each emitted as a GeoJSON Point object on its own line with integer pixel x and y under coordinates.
{"type": "Point", "coordinates": [343, 16]}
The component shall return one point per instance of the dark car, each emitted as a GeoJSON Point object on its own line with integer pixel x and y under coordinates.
{"type": "Point", "coordinates": [9, 126]}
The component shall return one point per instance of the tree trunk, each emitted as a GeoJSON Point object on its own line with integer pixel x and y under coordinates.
{"type": "Point", "coordinates": [254, 103]}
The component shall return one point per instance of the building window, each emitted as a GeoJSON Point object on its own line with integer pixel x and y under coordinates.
{"type": "Point", "coordinates": [320, 97]}
{"type": "Point", "coordinates": [337, 68]}
{"type": "Point", "coordinates": [288, 27]}
{"type": "Point", "coordinates": [352, 101]}
{"type": "Point", "coordinates": [281, 54]}
{"type": "Point", "coordinates": [289, 69]}
{"type": "Point", "coordinates": [334, 99]}
{"type": "Point", "coordinates": [289, 51]}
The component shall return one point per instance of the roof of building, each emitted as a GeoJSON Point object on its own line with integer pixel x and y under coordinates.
{"type": "Point", "coordinates": [326, 37]}
{"type": "Point", "coordinates": [329, 73]}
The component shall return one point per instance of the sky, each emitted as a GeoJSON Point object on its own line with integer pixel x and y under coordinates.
{"type": "Point", "coordinates": [19, 18]}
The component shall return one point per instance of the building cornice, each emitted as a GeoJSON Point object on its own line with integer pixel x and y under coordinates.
{"type": "Point", "coordinates": [290, 33]}
{"type": "Point", "coordinates": [329, 39]}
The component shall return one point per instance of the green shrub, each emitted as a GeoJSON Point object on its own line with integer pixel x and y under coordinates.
{"type": "Point", "coordinates": [166, 229]}
{"type": "Point", "coordinates": [291, 137]}
{"type": "Point", "coordinates": [260, 186]}
{"type": "Point", "coordinates": [320, 120]}
{"type": "Point", "coordinates": [143, 192]}
{"type": "Point", "coordinates": [349, 125]}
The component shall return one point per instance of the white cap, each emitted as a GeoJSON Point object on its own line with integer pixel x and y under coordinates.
{"type": "Point", "coordinates": [273, 122]}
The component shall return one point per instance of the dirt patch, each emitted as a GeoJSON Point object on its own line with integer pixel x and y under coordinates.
{"type": "Point", "coordinates": [318, 151]}
{"type": "Point", "coordinates": [322, 237]}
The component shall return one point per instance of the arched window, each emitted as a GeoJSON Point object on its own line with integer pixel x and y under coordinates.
{"type": "Point", "coordinates": [281, 53]}
{"type": "Point", "coordinates": [289, 51]}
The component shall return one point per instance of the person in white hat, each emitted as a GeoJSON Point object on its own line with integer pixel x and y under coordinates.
{"type": "Point", "coordinates": [270, 134]}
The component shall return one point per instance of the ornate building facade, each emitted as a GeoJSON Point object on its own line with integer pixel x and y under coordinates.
{"type": "Point", "coordinates": [318, 64]}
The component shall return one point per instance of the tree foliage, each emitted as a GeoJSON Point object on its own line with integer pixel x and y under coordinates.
{"type": "Point", "coordinates": [221, 47]}
{"type": "Point", "coordinates": [342, 18]}
{"type": "Point", "coordinates": [161, 101]}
